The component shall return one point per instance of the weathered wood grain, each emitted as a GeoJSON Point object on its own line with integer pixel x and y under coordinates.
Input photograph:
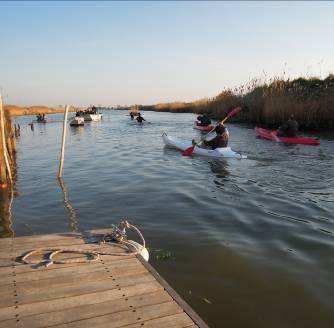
{"type": "Point", "coordinates": [117, 290]}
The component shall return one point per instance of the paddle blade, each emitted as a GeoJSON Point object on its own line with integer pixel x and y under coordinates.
{"type": "Point", "coordinates": [189, 151]}
{"type": "Point", "coordinates": [234, 112]}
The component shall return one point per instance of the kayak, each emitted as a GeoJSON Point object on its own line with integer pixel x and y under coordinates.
{"type": "Point", "coordinates": [272, 135]}
{"type": "Point", "coordinates": [203, 128]}
{"type": "Point", "coordinates": [226, 152]}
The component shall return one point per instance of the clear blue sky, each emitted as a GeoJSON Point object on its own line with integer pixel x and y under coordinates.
{"type": "Point", "coordinates": [148, 52]}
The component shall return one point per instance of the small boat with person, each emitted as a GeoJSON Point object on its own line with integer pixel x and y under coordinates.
{"type": "Point", "coordinates": [273, 136]}
{"type": "Point", "coordinates": [77, 121]}
{"type": "Point", "coordinates": [89, 115]}
{"type": "Point", "coordinates": [225, 152]}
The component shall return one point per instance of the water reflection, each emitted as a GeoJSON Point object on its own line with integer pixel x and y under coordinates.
{"type": "Point", "coordinates": [77, 130]}
{"type": "Point", "coordinates": [219, 168]}
{"type": "Point", "coordinates": [74, 225]}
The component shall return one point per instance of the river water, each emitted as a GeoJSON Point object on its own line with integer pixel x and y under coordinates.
{"type": "Point", "coordinates": [248, 243]}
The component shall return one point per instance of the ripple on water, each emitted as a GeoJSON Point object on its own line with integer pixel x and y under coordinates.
{"type": "Point", "coordinates": [248, 235]}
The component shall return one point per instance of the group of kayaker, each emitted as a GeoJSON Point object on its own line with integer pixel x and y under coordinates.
{"type": "Point", "coordinates": [288, 129]}
{"type": "Point", "coordinates": [221, 138]}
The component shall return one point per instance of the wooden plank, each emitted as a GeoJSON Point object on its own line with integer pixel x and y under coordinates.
{"type": "Point", "coordinates": [79, 300]}
{"type": "Point", "coordinates": [51, 236]}
{"type": "Point", "coordinates": [115, 291]}
{"type": "Point", "coordinates": [90, 287]}
{"type": "Point", "coordinates": [40, 239]}
{"type": "Point", "coordinates": [89, 311]}
{"type": "Point", "coordinates": [109, 249]}
{"type": "Point", "coordinates": [177, 298]}
{"type": "Point", "coordinates": [21, 268]}
{"type": "Point", "coordinates": [72, 278]}
{"type": "Point", "coordinates": [45, 273]}
{"type": "Point", "coordinates": [6, 263]}
{"type": "Point", "coordinates": [180, 320]}
{"type": "Point", "coordinates": [120, 319]}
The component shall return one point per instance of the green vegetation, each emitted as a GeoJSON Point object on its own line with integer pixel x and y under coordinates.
{"type": "Point", "coordinates": [311, 100]}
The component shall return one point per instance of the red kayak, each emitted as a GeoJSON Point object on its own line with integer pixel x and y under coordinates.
{"type": "Point", "coordinates": [272, 135]}
{"type": "Point", "coordinates": [203, 128]}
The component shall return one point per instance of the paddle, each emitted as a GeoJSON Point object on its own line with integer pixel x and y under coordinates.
{"type": "Point", "coordinates": [275, 136]}
{"type": "Point", "coordinates": [189, 151]}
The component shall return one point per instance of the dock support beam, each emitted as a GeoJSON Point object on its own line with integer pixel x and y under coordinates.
{"type": "Point", "coordinates": [4, 145]}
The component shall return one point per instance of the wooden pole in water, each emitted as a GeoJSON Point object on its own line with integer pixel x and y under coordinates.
{"type": "Point", "coordinates": [3, 140]}
{"type": "Point", "coordinates": [62, 151]}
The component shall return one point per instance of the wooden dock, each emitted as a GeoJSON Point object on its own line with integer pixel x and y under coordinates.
{"type": "Point", "coordinates": [114, 291]}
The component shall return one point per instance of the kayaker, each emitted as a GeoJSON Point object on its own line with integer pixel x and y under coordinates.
{"type": "Point", "coordinates": [140, 119]}
{"type": "Point", "coordinates": [289, 128]}
{"type": "Point", "coordinates": [221, 139]}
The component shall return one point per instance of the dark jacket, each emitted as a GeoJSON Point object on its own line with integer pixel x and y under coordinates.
{"type": "Point", "coordinates": [221, 140]}
{"type": "Point", "coordinates": [288, 129]}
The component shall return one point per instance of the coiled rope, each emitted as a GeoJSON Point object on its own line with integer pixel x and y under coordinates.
{"type": "Point", "coordinates": [117, 236]}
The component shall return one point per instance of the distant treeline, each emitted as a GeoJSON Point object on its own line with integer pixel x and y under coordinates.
{"type": "Point", "coordinates": [311, 100]}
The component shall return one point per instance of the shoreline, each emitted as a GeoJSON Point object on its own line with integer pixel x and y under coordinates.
{"type": "Point", "coordinates": [15, 111]}
{"type": "Point", "coordinates": [268, 104]}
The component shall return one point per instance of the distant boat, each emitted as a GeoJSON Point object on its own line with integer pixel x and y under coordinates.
{"type": "Point", "coordinates": [92, 117]}
{"type": "Point", "coordinates": [77, 121]}
{"type": "Point", "coordinates": [89, 114]}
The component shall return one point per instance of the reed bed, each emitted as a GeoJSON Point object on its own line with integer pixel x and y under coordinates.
{"type": "Point", "coordinates": [310, 100]}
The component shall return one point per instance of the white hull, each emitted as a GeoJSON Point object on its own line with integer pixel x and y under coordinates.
{"type": "Point", "coordinates": [92, 117]}
{"type": "Point", "coordinates": [77, 121]}
{"type": "Point", "coordinates": [226, 152]}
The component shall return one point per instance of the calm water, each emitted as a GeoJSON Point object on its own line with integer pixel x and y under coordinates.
{"type": "Point", "coordinates": [247, 243]}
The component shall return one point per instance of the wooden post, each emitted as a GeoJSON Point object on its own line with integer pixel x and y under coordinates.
{"type": "Point", "coordinates": [3, 141]}
{"type": "Point", "coordinates": [62, 151]}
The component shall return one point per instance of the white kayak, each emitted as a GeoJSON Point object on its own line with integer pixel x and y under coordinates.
{"type": "Point", "coordinates": [225, 152]}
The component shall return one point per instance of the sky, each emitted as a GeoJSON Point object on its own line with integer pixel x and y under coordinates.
{"type": "Point", "coordinates": [121, 53]}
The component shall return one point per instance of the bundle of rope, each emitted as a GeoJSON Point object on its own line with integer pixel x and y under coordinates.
{"type": "Point", "coordinates": [116, 236]}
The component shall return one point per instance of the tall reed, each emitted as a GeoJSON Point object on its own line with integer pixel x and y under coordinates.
{"type": "Point", "coordinates": [310, 100]}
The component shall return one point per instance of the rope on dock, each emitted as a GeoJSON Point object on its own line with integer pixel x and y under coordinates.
{"type": "Point", "coordinates": [118, 235]}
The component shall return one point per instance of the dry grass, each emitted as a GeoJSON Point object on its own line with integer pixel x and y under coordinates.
{"type": "Point", "coordinates": [311, 100]}
{"type": "Point", "coordinates": [14, 110]}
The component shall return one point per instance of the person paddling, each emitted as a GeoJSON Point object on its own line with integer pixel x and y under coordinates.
{"type": "Point", "coordinates": [289, 128]}
{"type": "Point", "coordinates": [221, 138]}
{"type": "Point", "coordinates": [140, 119]}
